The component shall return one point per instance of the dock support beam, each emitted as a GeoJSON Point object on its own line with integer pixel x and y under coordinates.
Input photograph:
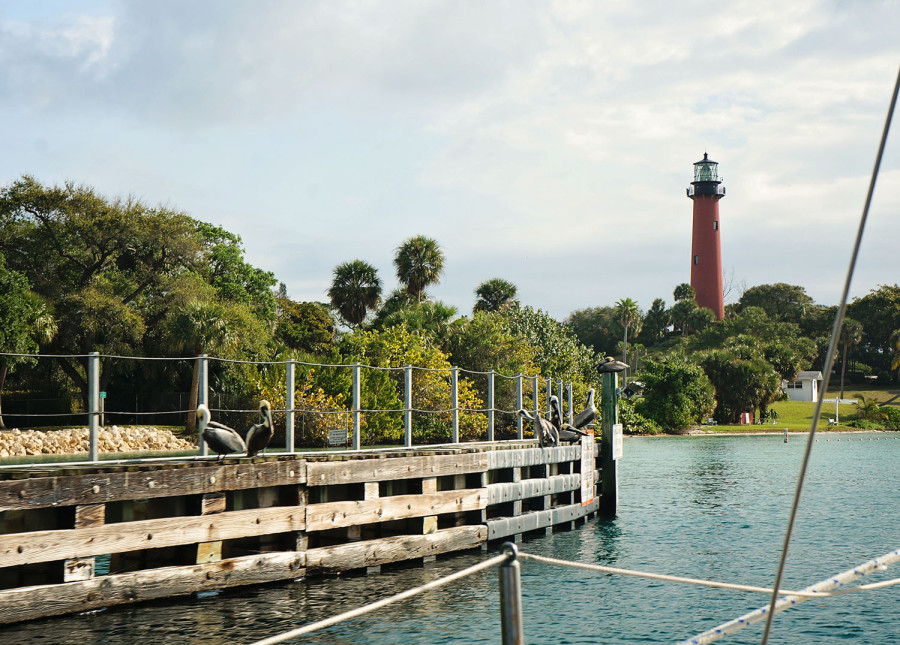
{"type": "Point", "coordinates": [609, 407]}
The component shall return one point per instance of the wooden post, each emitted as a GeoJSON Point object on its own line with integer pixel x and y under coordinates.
{"type": "Point", "coordinates": [407, 405]}
{"type": "Point", "coordinates": [429, 522]}
{"type": "Point", "coordinates": [94, 404]}
{"type": "Point", "coordinates": [609, 481]}
{"type": "Point", "coordinates": [86, 516]}
{"type": "Point", "coordinates": [210, 551]}
{"type": "Point", "coordinates": [518, 406]}
{"type": "Point", "coordinates": [490, 405]}
{"type": "Point", "coordinates": [356, 406]}
{"type": "Point", "coordinates": [289, 404]}
{"type": "Point", "coordinates": [454, 402]}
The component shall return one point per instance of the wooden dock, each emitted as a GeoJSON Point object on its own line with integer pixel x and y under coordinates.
{"type": "Point", "coordinates": [75, 538]}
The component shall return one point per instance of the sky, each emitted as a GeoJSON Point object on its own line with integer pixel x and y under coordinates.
{"type": "Point", "coordinates": [546, 143]}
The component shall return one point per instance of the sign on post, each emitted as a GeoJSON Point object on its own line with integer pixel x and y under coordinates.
{"type": "Point", "coordinates": [617, 441]}
{"type": "Point", "coordinates": [588, 465]}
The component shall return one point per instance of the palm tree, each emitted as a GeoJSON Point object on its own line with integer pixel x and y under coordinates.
{"type": "Point", "coordinates": [684, 291]}
{"type": "Point", "coordinates": [419, 263]}
{"type": "Point", "coordinates": [494, 295]}
{"type": "Point", "coordinates": [629, 314]}
{"type": "Point", "coordinates": [199, 328]}
{"type": "Point", "coordinates": [851, 335]}
{"type": "Point", "coordinates": [355, 290]}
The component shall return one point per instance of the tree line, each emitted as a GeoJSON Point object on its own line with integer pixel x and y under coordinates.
{"type": "Point", "coordinates": [80, 272]}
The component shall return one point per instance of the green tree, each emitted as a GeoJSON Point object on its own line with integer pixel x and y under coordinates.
{"type": "Point", "coordinates": [629, 315]}
{"type": "Point", "coordinates": [656, 323]}
{"type": "Point", "coordinates": [682, 313]}
{"type": "Point", "coordinates": [676, 393]}
{"type": "Point", "coordinates": [595, 327]}
{"type": "Point", "coordinates": [25, 322]}
{"type": "Point", "coordinates": [304, 326]}
{"type": "Point", "coordinates": [879, 313]}
{"type": "Point", "coordinates": [684, 291]}
{"type": "Point", "coordinates": [781, 302]}
{"type": "Point", "coordinates": [742, 383]}
{"type": "Point", "coordinates": [851, 336]}
{"type": "Point", "coordinates": [199, 328]}
{"type": "Point", "coordinates": [355, 290]}
{"type": "Point", "coordinates": [99, 264]}
{"type": "Point", "coordinates": [494, 294]}
{"type": "Point", "coordinates": [420, 263]}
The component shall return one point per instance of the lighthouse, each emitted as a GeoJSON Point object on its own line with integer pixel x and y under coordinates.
{"type": "Point", "coordinates": [706, 251]}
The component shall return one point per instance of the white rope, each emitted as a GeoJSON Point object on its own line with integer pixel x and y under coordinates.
{"type": "Point", "coordinates": [790, 599]}
{"type": "Point", "coordinates": [656, 576]}
{"type": "Point", "coordinates": [359, 611]}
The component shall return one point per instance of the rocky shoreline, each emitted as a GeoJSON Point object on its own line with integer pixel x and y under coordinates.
{"type": "Point", "coordinates": [21, 443]}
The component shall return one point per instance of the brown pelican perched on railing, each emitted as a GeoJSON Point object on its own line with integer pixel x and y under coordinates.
{"type": "Point", "coordinates": [565, 432]}
{"type": "Point", "coordinates": [589, 413]}
{"type": "Point", "coordinates": [260, 434]}
{"type": "Point", "coordinates": [548, 434]}
{"type": "Point", "coordinates": [219, 437]}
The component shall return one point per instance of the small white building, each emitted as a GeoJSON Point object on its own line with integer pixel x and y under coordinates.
{"type": "Point", "coordinates": [804, 388]}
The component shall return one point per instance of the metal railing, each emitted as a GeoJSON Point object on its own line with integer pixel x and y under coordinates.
{"type": "Point", "coordinates": [481, 409]}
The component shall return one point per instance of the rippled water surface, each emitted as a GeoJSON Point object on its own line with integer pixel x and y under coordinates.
{"type": "Point", "coordinates": [710, 507]}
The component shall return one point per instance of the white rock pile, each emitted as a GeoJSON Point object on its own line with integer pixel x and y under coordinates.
{"type": "Point", "coordinates": [22, 443]}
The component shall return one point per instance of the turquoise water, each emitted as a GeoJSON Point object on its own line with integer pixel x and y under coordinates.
{"type": "Point", "coordinates": [708, 507]}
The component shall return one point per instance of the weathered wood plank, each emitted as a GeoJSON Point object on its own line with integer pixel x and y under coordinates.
{"type": "Point", "coordinates": [393, 549]}
{"type": "Point", "coordinates": [330, 515]}
{"type": "Point", "coordinates": [322, 473]}
{"type": "Point", "coordinates": [46, 546]}
{"type": "Point", "coordinates": [28, 603]}
{"type": "Point", "coordinates": [163, 481]}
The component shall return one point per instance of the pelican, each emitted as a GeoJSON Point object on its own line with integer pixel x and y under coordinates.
{"type": "Point", "coordinates": [588, 414]}
{"type": "Point", "coordinates": [260, 434]}
{"type": "Point", "coordinates": [565, 432]}
{"type": "Point", "coordinates": [217, 436]}
{"type": "Point", "coordinates": [609, 364]}
{"type": "Point", "coordinates": [548, 434]}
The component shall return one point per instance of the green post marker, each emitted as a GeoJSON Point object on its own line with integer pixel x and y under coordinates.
{"type": "Point", "coordinates": [609, 410]}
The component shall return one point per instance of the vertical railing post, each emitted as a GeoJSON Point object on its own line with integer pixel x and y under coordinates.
{"type": "Point", "coordinates": [454, 402]}
{"type": "Point", "coordinates": [511, 624]}
{"type": "Point", "coordinates": [94, 404]}
{"type": "Point", "coordinates": [549, 394]}
{"type": "Point", "coordinates": [407, 406]}
{"type": "Point", "coordinates": [490, 405]}
{"type": "Point", "coordinates": [559, 397]}
{"type": "Point", "coordinates": [537, 406]}
{"type": "Point", "coordinates": [203, 395]}
{"type": "Point", "coordinates": [518, 406]}
{"type": "Point", "coordinates": [289, 404]}
{"type": "Point", "coordinates": [571, 403]}
{"type": "Point", "coordinates": [356, 405]}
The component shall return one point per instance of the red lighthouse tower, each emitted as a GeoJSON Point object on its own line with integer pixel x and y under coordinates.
{"type": "Point", "coordinates": [706, 252]}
